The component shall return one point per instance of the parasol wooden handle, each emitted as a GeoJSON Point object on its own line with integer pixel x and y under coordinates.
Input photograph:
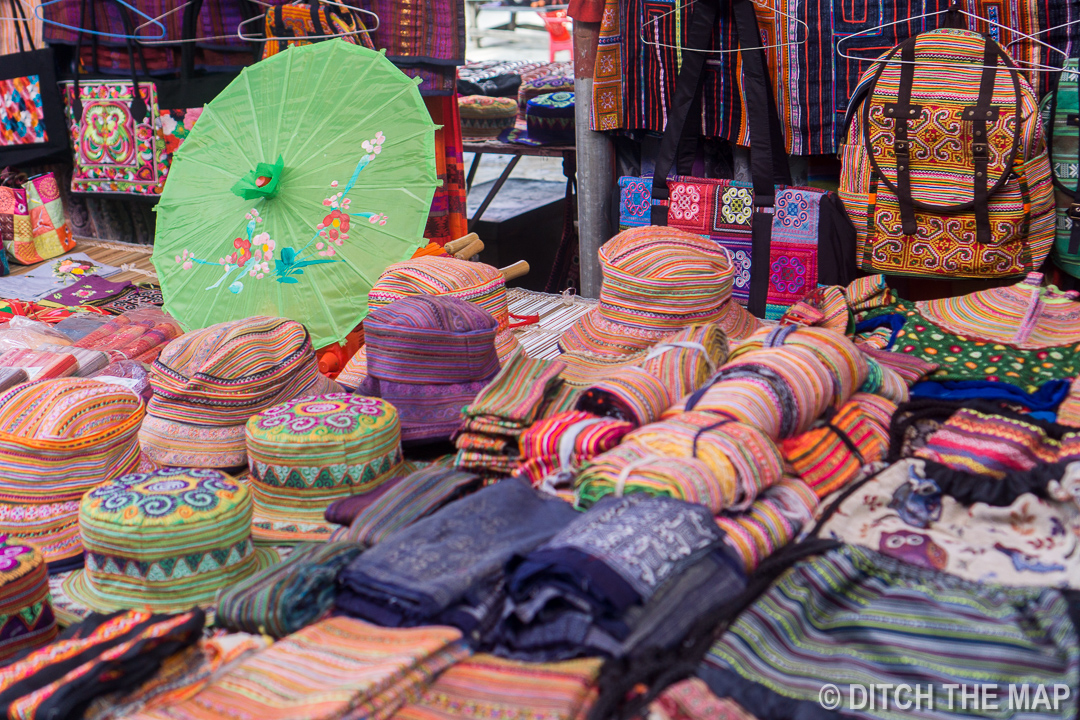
{"type": "Point", "coordinates": [518, 269]}
{"type": "Point", "coordinates": [473, 248]}
{"type": "Point", "coordinates": [462, 242]}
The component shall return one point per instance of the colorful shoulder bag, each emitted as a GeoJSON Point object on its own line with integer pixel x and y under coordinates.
{"type": "Point", "coordinates": [784, 240]}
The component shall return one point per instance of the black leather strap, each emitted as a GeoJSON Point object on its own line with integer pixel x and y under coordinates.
{"type": "Point", "coordinates": [902, 112]}
{"type": "Point", "coordinates": [981, 115]}
{"type": "Point", "coordinates": [189, 30]}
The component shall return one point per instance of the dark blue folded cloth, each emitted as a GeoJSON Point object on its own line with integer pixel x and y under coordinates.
{"type": "Point", "coordinates": [1045, 399]}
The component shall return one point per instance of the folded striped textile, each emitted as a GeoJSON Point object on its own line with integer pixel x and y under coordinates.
{"type": "Point", "coordinates": [479, 442]}
{"type": "Point", "coordinates": [486, 463]}
{"type": "Point", "coordinates": [830, 456]}
{"type": "Point", "coordinates": [344, 511]}
{"type": "Point", "coordinates": [774, 520]}
{"type": "Point", "coordinates": [631, 394]}
{"type": "Point", "coordinates": [993, 444]}
{"type": "Point", "coordinates": [868, 292]}
{"type": "Point", "coordinates": [489, 687]}
{"type": "Point", "coordinates": [884, 381]}
{"type": "Point", "coordinates": [517, 391]}
{"type": "Point", "coordinates": [181, 676]}
{"type": "Point", "coordinates": [288, 596]}
{"type": "Point", "coordinates": [560, 444]}
{"type": "Point", "coordinates": [822, 307]}
{"type": "Point", "coordinates": [691, 699]}
{"type": "Point", "coordinates": [103, 654]}
{"type": "Point", "coordinates": [855, 618]}
{"type": "Point", "coordinates": [909, 367]}
{"type": "Point", "coordinates": [39, 364]}
{"type": "Point", "coordinates": [339, 668]}
{"type": "Point", "coordinates": [412, 498]}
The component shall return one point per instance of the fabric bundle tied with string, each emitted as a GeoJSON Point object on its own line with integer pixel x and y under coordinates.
{"type": "Point", "coordinates": [771, 522]}
{"type": "Point", "coordinates": [734, 462]}
{"type": "Point", "coordinates": [685, 360]}
{"type": "Point", "coordinates": [829, 457]}
{"type": "Point", "coordinates": [632, 394]}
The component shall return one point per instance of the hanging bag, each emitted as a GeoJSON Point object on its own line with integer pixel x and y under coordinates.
{"type": "Point", "coordinates": [784, 240]}
{"type": "Point", "coordinates": [32, 127]}
{"type": "Point", "coordinates": [288, 25]}
{"type": "Point", "coordinates": [1061, 118]}
{"type": "Point", "coordinates": [114, 127]}
{"type": "Point", "coordinates": [945, 172]}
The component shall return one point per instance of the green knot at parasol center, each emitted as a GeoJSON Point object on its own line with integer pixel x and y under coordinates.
{"type": "Point", "coordinates": [262, 182]}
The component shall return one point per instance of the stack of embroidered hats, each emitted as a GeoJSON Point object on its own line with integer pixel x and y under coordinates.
{"type": "Point", "coordinates": [429, 356]}
{"type": "Point", "coordinates": [166, 540]}
{"type": "Point", "coordinates": [208, 383]}
{"type": "Point", "coordinates": [477, 283]}
{"type": "Point", "coordinates": [58, 439]}
{"type": "Point", "coordinates": [25, 604]}
{"type": "Point", "coordinates": [308, 452]}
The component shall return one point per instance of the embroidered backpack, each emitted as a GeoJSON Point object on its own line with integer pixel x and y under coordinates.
{"type": "Point", "coordinates": [945, 172]}
{"type": "Point", "coordinates": [1061, 118]}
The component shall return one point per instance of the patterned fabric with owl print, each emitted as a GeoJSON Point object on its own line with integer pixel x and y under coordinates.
{"type": "Point", "coordinates": [905, 515]}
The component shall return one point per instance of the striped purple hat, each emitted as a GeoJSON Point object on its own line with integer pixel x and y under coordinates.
{"type": "Point", "coordinates": [429, 356]}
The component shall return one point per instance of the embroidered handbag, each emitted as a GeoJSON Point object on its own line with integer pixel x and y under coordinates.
{"type": "Point", "coordinates": [783, 240]}
{"type": "Point", "coordinates": [1061, 118]}
{"type": "Point", "coordinates": [114, 126]}
{"type": "Point", "coordinates": [47, 233]}
{"type": "Point", "coordinates": [944, 168]}
{"type": "Point", "coordinates": [292, 24]}
{"type": "Point", "coordinates": [31, 112]}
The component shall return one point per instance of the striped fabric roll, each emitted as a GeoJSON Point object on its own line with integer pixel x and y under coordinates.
{"type": "Point", "coordinates": [855, 618]}
{"type": "Point", "coordinates": [287, 597]}
{"type": "Point", "coordinates": [414, 497]}
{"type": "Point", "coordinates": [166, 540]}
{"type": "Point", "coordinates": [685, 360]}
{"type": "Point", "coordinates": [515, 393]}
{"type": "Point", "coordinates": [810, 385]}
{"type": "Point", "coordinates": [337, 668]}
{"type": "Point", "coordinates": [207, 384]}
{"type": "Point", "coordinates": [829, 457]}
{"type": "Point", "coordinates": [308, 452]}
{"type": "Point", "coordinates": [749, 398]}
{"type": "Point", "coordinates": [489, 687]}
{"type": "Point", "coordinates": [431, 341]}
{"type": "Point", "coordinates": [773, 521]}
{"type": "Point", "coordinates": [656, 280]}
{"type": "Point", "coordinates": [741, 459]}
{"type": "Point", "coordinates": [58, 439]}
{"type": "Point", "coordinates": [991, 445]}
{"type": "Point", "coordinates": [884, 381]}
{"type": "Point", "coordinates": [26, 613]}
{"type": "Point", "coordinates": [910, 368]}
{"type": "Point", "coordinates": [632, 467]}
{"type": "Point", "coordinates": [839, 354]}
{"type": "Point", "coordinates": [563, 442]}
{"type": "Point", "coordinates": [632, 395]}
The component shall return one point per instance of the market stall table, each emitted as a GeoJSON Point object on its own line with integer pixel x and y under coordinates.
{"type": "Point", "coordinates": [568, 153]}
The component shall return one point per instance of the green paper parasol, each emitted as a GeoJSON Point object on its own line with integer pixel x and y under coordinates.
{"type": "Point", "coordinates": [299, 184]}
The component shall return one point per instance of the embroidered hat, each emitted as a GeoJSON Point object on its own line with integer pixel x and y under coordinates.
{"type": "Point", "coordinates": [1025, 315]}
{"type": "Point", "coordinates": [308, 452]}
{"type": "Point", "coordinates": [208, 383]}
{"type": "Point", "coordinates": [165, 540]}
{"type": "Point", "coordinates": [25, 603]}
{"type": "Point", "coordinates": [477, 283]}
{"type": "Point", "coordinates": [549, 120]}
{"type": "Point", "coordinates": [486, 117]}
{"type": "Point", "coordinates": [656, 280]}
{"type": "Point", "coordinates": [58, 439]}
{"type": "Point", "coordinates": [429, 356]}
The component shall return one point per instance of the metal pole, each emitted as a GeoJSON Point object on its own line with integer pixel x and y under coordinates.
{"type": "Point", "coordinates": [594, 162]}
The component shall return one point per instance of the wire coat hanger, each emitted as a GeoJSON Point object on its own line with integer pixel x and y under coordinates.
{"type": "Point", "coordinates": [38, 14]}
{"type": "Point", "coordinates": [775, 10]}
{"type": "Point", "coordinates": [1021, 64]}
{"type": "Point", "coordinates": [351, 8]}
